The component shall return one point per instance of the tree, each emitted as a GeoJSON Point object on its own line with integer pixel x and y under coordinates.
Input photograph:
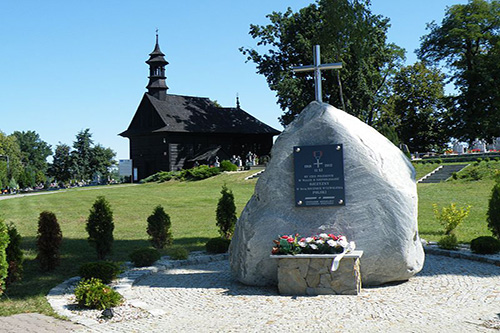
{"type": "Point", "coordinates": [100, 227]}
{"type": "Point", "coordinates": [101, 161]}
{"type": "Point", "coordinates": [61, 167]}
{"type": "Point", "coordinates": [467, 41]}
{"type": "Point", "coordinates": [14, 256]}
{"type": "Point", "coordinates": [159, 228]}
{"type": "Point", "coordinates": [82, 154]}
{"type": "Point", "coordinates": [417, 105]}
{"type": "Point", "coordinates": [9, 148]}
{"type": "Point", "coordinates": [347, 32]}
{"type": "Point", "coordinates": [226, 213]}
{"type": "Point", "coordinates": [49, 238]}
{"type": "Point", "coordinates": [34, 151]}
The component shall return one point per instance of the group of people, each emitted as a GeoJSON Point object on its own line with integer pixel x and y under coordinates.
{"type": "Point", "coordinates": [251, 160]}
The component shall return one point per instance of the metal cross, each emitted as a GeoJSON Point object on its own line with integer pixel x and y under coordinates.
{"type": "Point", "coordinates": [317, 67]}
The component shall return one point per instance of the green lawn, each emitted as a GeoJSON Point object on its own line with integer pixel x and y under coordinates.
{"type": "Point", "coordinates": [191, 206]}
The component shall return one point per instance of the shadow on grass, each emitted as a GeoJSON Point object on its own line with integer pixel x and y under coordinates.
{"type": "Point", "coordinates": [75, 252]}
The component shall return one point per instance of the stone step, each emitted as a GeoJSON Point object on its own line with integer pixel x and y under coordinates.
{"type": "Point", "coordinates": [442, 173]}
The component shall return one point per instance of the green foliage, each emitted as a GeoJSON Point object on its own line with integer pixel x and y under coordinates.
{"type": "Point", "coordinates": [493, 214]}
{"type": "Point", "coordinates": [467, 41]}
{"type": "Point", "coordinates": [217, 245]}
{"type": "Point", "coordinates": [15, 256]}
{"type": "Point", "coordinates": [4, 242]}
{"type": "Point", "coordinates": [450, 217]}
{"type": "Point", "coordinates": [106, 271]}
{"type": "Point", "coordinates": [159, 228]}
{"type": "Point", "coordinates": [162, 176]}
{"type": "Point", "coordinates": [199, 173]}
{"type": "Point", "coordinates": [480, 171]}
{"type": "Point", "coordinates": [34, 151]}
{"type": "Point", "coordinates": [416, 107]}
{"type": "Point", "coordinates": [448, 242]}
{"type": "Point", "coordinates": [100, 227]}
{"type": "Point", "coordinates": [49, 240]}
{"type": "Point", "coordinates": [144, 257]}
{"type": "Point", "coordinates": [485, 245]}
{"type": "Point", "coordinates": [348, 32]}
{"type": "Point", "coordinates": [178, 253]}
{"type": "Point", "coordinates": [226, 213]}
{"type": "Point", "coordinates": [228, 166]}
{"type": "Point", "coordinates": [9, 148]}
{"type": "Point", "coordinates": [94, 294]}
{"type": "Point", "coordinates": [62, 164]}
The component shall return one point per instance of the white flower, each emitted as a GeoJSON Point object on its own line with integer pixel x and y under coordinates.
{"type": "Point", "coordinates": [351, 246]}
{"type": "Point", "coordinates": [343, 241]}
{"type": "Point", "coordinates": [314, 246]}
{"type": "Point", "coordinates": [324, 236]}
{"type": "Point", "coordinates": [320, 241]}
{"type": "Point", "coordinates": [332, 243]}
{"type": "Point", "coordinates": [302, 244]}
{"type": "Point", "coordinates": [309, 240]}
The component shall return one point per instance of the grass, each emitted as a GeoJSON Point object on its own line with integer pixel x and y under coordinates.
{"type": "Point", "coordinates": [191, 206]}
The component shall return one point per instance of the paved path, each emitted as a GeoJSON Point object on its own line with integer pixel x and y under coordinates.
{"type": "Point", "coordinates": [35, 323]}
{"type": "Point", "coordinates": [449, 295]}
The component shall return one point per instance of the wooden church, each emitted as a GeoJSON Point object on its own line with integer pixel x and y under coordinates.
{"type": "Point", "coordinates": [172, 132]}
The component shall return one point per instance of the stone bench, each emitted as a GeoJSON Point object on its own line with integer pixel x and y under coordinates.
{"type": "Point", "coordinates": [310, 274]}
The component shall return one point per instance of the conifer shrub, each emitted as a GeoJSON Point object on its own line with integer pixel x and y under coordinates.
{"type": "Point", "coordinates": [485, 245]}
{"type": "Point", "coordinates": [49, 240]}
{"type": "Point", "coordinates": [144, 257]}
{"type": "Point", "coordinates": [178, 253]}
{"type": "Point", "coordinates": [4, 242]}
{"type": "Point", "coordinates": [493, 214]}
{"type": "Point", "coordinates": [14, 256]}
{"type": "Point", "coordinates": [199, 173]}
{"type": "Point", "coordinates": [226, 213]}
{"type": "Point", "coordinates": [228, 166]}
{"type": "Point", "coordinates": [94, 294]}
{"type": "Point", "coordinates": [217, 245]}
{"type": "Point", "coordinates": [106, 271]}
{"type": "Point", "coordinates": [448, 242]}
{"type": "Point", "coordinates": [100, 227]}
{"type": "Point", "coordinates": [159, 228]}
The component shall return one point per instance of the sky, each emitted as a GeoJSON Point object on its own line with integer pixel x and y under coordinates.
{"type": "Point", "coordinates": [70, 65]}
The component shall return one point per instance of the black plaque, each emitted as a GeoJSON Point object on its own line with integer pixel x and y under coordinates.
{"type": "Point", "coordinates": [319, 175]}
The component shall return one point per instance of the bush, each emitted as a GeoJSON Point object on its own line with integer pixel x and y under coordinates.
{"type": "Point", "coordinates": [485, 245]}
{"type": "Point", "coordinates": [228, 166]}
{"type": "Point", "coordinates": [144, 257]}
{"type": "Point", "coordinates": [94, 294]}
{"type": "Point", "coordinates": [49, 240]}
{"type": "Point", "coordinates": [439, 161]}
{"type": "Point", "coordinates": [450, 217]}
{"type": "Point", "coordinates": [159, 228]}
{"type": "Point", "coordinates": [178, 253]}
{"type": "Point", "coordinates": [448, 242]}
{"type": "Point", "coordinates": [487, 159]}
{"type": "Point", "coordinates": [106, 271]}
{"type": "Point", "coordinates": [479, 159]}
{"type": "Point", "coordinates": [493, 214]}
{"type": "Point", "coordinates": [199, 173]}
{"type": "Point", "coordinates": [226, 213]}
{"type": "Point", "coordinates": [454, 175]}
{"type": "Point", "coordinates": [14, 256]}
{"type": "Point", "coordinates": [217, 245]}
{"type": "Point", "coordinates": [4, 242]}
{"type": "Point", "coordinates": [100, 227]}
{"type": "Point", "coordinates": [497, 159]}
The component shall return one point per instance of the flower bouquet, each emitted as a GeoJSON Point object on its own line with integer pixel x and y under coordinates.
{"type": "Point", "coordinates": [318, 244]}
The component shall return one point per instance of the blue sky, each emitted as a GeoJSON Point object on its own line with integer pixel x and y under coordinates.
{"type": "Point", "coordinates": [70, 65]}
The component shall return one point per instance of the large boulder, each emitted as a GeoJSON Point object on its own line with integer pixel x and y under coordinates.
{"type": "Point", "coordinates": [380, 213]}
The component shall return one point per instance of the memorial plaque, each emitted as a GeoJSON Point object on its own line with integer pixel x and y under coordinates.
{"type": "Point", "coordinates": [319, 175]}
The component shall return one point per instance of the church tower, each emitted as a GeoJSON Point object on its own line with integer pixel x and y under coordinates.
{"type": "Point", "coordinates": [157, 86]}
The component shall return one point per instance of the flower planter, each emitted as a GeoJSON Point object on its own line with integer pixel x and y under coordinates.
{"type": "Point", "coordinates": [311, 274]}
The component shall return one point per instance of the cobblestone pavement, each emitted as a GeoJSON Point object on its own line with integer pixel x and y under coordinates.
{"type": "Point", "coordinates": [449, 295]}
{"type": "Point", "coordinates": [35, 323]}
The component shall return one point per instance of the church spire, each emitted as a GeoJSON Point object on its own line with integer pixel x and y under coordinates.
{"type": "Point", "coordinates": [237, 102]}
{"type": "Point", "coordinates": [157, 86]}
